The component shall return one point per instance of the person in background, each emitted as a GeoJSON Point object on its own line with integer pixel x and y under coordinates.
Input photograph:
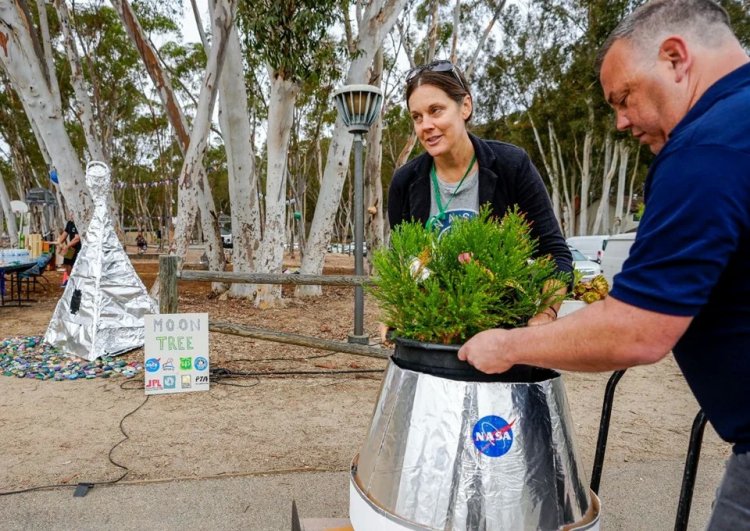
{"type": "Point", "coordinates": [69, 245]}
{"type": "Point", "coordinates": [140, 241]}
{"type": "Point", "coordinates": [679, 80]}
{"type": "Point", "coordinates": [459, 172]}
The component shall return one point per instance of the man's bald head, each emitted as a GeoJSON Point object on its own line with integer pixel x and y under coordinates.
{"type": "Point", "coordinates": [704, 22]}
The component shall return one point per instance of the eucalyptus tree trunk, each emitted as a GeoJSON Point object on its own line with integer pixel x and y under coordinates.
{"type": "Point", "coordinates": [621, 178]}
{"type": "Point", "coordinates": [189, 189]}
{"type": "Point", "coordinates": [585, 167]}
{"type": "Point", "coordinates": [280, 120]}
{"type": "Point", "coordinates": [377, 20]}
{"type": "Point", "coordinates": [200, 196]}
{"type": "Point", "coordinates": [553, 175]}
{"type": "Point", "coordinates": [22, 58]}
{"type": "Point", "coordinates": [611, 157]}
{"type": "Point", "coordinates": [471, 65]}
{"type": "Point", "coordinates": [569, 213]}
{"type": "Point", "coordinates": [632, 185]}
{"type": "Point", "coordinates": [10, 219]}
{"type": "Point", "coordinates": [454, 35]}
{"type": "Point", "coordinates": [234, 120]}
{"type": "Point", "coordinates": [374, 221]}
{"type": "Point", "coordinates": [411, 141]}
{"type": "Point", "coordinates": [82, 103]}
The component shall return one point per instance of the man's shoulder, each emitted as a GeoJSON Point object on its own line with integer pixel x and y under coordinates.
{"type": "Point", "coordinates": [722, 126]}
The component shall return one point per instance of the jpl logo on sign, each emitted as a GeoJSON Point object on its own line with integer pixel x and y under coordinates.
{"type": "Point", "coordinates": [493, 435]}
{"type": "Point", "coordinates": [153, 383]}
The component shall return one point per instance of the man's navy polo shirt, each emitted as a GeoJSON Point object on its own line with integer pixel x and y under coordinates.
{"type": "Point", "coordinates": [691, 256]}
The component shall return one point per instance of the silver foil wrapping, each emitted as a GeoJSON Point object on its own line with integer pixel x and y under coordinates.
{"type": "Point", "coordinates": [101, 310]}
{"type": "Point", "coordinates": [461, 455]}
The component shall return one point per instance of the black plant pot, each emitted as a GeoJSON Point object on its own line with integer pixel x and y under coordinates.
{"type": "Point", "coordinates": [442, 360]}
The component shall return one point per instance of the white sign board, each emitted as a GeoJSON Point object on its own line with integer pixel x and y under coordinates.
{"type": "Point", "coordinates": [176, 353]}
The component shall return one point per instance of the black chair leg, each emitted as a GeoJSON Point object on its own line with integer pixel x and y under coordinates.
{"type": "Point", "coordinates": [601, 442]}
{"type": "Point", "coordinates": [690, 471]}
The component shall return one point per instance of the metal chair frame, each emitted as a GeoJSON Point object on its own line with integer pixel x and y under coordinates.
{"type": "Point", "coordinates": [691, 460]}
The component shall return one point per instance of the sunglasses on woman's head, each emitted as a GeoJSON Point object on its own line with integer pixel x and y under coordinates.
{"type": "Point", "coordinates": [442, 65]}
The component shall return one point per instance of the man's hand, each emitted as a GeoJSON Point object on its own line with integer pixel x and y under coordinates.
{"type": "Point", "coordinates": [485, 352]}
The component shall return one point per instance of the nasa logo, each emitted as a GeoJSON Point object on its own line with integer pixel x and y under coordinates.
{"type": "Point", "coordinates": [201, 363]}
{"type": "Point", "coordinates": [152, 364]}
{"type": "Point", "coordinates": [493, 435]}
{"type": "Point", "coordinates": [443, 225]}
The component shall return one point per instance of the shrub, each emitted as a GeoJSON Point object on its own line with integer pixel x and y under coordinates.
{"type": "Point", "coordinates": [480, 274]}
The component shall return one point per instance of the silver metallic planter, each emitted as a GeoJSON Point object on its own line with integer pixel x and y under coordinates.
{"type": "Point", "coordinates": [452, 448]}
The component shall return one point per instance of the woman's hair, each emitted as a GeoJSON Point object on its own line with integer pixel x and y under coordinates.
{"type": "Point", "coordinates": [452, 82]}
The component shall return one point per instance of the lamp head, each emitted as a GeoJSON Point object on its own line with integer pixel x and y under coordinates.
{"type": "Point", "coordinates": [358, 106]}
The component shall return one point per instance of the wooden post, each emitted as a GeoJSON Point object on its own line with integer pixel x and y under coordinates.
{"type": "Point", "coordinates": [168, 265]}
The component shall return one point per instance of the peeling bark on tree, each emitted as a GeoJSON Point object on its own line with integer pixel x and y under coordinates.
{"type": "Point", "coordinates": [377, 20]}
{"type": "Point", "coordinates": [280, 118]}
{"type": "Point", "coordinates": [374, 219]}
{"type": "Point", "coordinates": [200, 195]}
{"type": "Point", "coordinates": [234, 120]}
{"type": "Point", "coordinates": [22, 59]}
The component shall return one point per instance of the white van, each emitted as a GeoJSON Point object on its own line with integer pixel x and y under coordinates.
{"type": "Point", "coordinates": [616, 251]}
{"type": "Point", "coordinates": [590, 246]}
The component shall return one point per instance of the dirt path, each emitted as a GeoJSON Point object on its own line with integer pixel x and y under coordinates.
{"type": "Point", "coordinates": [62, 432]}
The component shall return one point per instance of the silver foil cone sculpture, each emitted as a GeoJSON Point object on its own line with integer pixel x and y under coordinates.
{"type": "Point", "coordinates": [451, 448]}
{"type": "Point", "coordinates": [101, 310]}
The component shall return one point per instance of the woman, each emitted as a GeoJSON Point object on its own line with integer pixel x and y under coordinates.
{"type": "Point", "coordinates": [460, 172]}
{"type": "Point", "coordinates": [69, 249]}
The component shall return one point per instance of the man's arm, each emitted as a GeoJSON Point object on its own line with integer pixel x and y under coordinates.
{"type": "Point", "coordinates": [75, 240]}
{"type": "Point", "coordinates": [604, 336]}
{"type": "Point", "coordinates": [60, 239]}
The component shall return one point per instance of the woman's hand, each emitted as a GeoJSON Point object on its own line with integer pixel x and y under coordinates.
{"type": "Point", "coordinates": [548, 315]}
{"type": "Point", "coordinates": [383, 333]}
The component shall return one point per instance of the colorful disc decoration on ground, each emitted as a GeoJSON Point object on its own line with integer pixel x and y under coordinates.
{"type": "Point", "coordinates": [30, 357]}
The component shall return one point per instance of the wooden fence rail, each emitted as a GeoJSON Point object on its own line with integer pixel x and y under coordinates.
{"type": "Point", "coordinates": [169, 274]}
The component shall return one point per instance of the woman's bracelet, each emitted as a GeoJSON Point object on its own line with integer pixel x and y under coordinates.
{"type": "Point", "coordinates": [553, 310]}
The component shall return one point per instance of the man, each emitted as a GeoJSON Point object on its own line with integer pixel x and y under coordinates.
{"type": "Point", "coordinates": [69, 244]}
{"type": "Point", "coordinates": [679, 80]}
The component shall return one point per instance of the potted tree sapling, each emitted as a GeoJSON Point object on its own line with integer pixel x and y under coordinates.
{"type": "Point", "coordinates": [437, 290]}
{"type": "Point", "coordinates": [449, 447]}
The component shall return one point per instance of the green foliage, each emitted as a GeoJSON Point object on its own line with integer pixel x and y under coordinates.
{"type": "Point", "coordinates": [290, 35]}
{"type": "Point", "coordinates": [478, 275]}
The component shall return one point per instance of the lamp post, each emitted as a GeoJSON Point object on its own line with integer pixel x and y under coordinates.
{"type": "Point", "coordinates": [358, 106]}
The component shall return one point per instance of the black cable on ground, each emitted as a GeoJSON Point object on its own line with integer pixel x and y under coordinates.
{"type": "Point", "coordinates": [217, 373]}
{"type": "Point", "coordinates": [220, 372]}
{"type": "Point", "coordinates": [83, 486]}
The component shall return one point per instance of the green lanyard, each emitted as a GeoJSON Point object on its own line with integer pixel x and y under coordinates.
{"type": "Point", "coordinates": [438, 201]}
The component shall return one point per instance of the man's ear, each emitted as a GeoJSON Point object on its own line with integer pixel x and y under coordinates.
{"type": "Point", "coordinates": [675, 50]}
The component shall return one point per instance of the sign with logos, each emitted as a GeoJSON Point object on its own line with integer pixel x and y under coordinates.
{"type": "Point", "coordinates": [176, 353]}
